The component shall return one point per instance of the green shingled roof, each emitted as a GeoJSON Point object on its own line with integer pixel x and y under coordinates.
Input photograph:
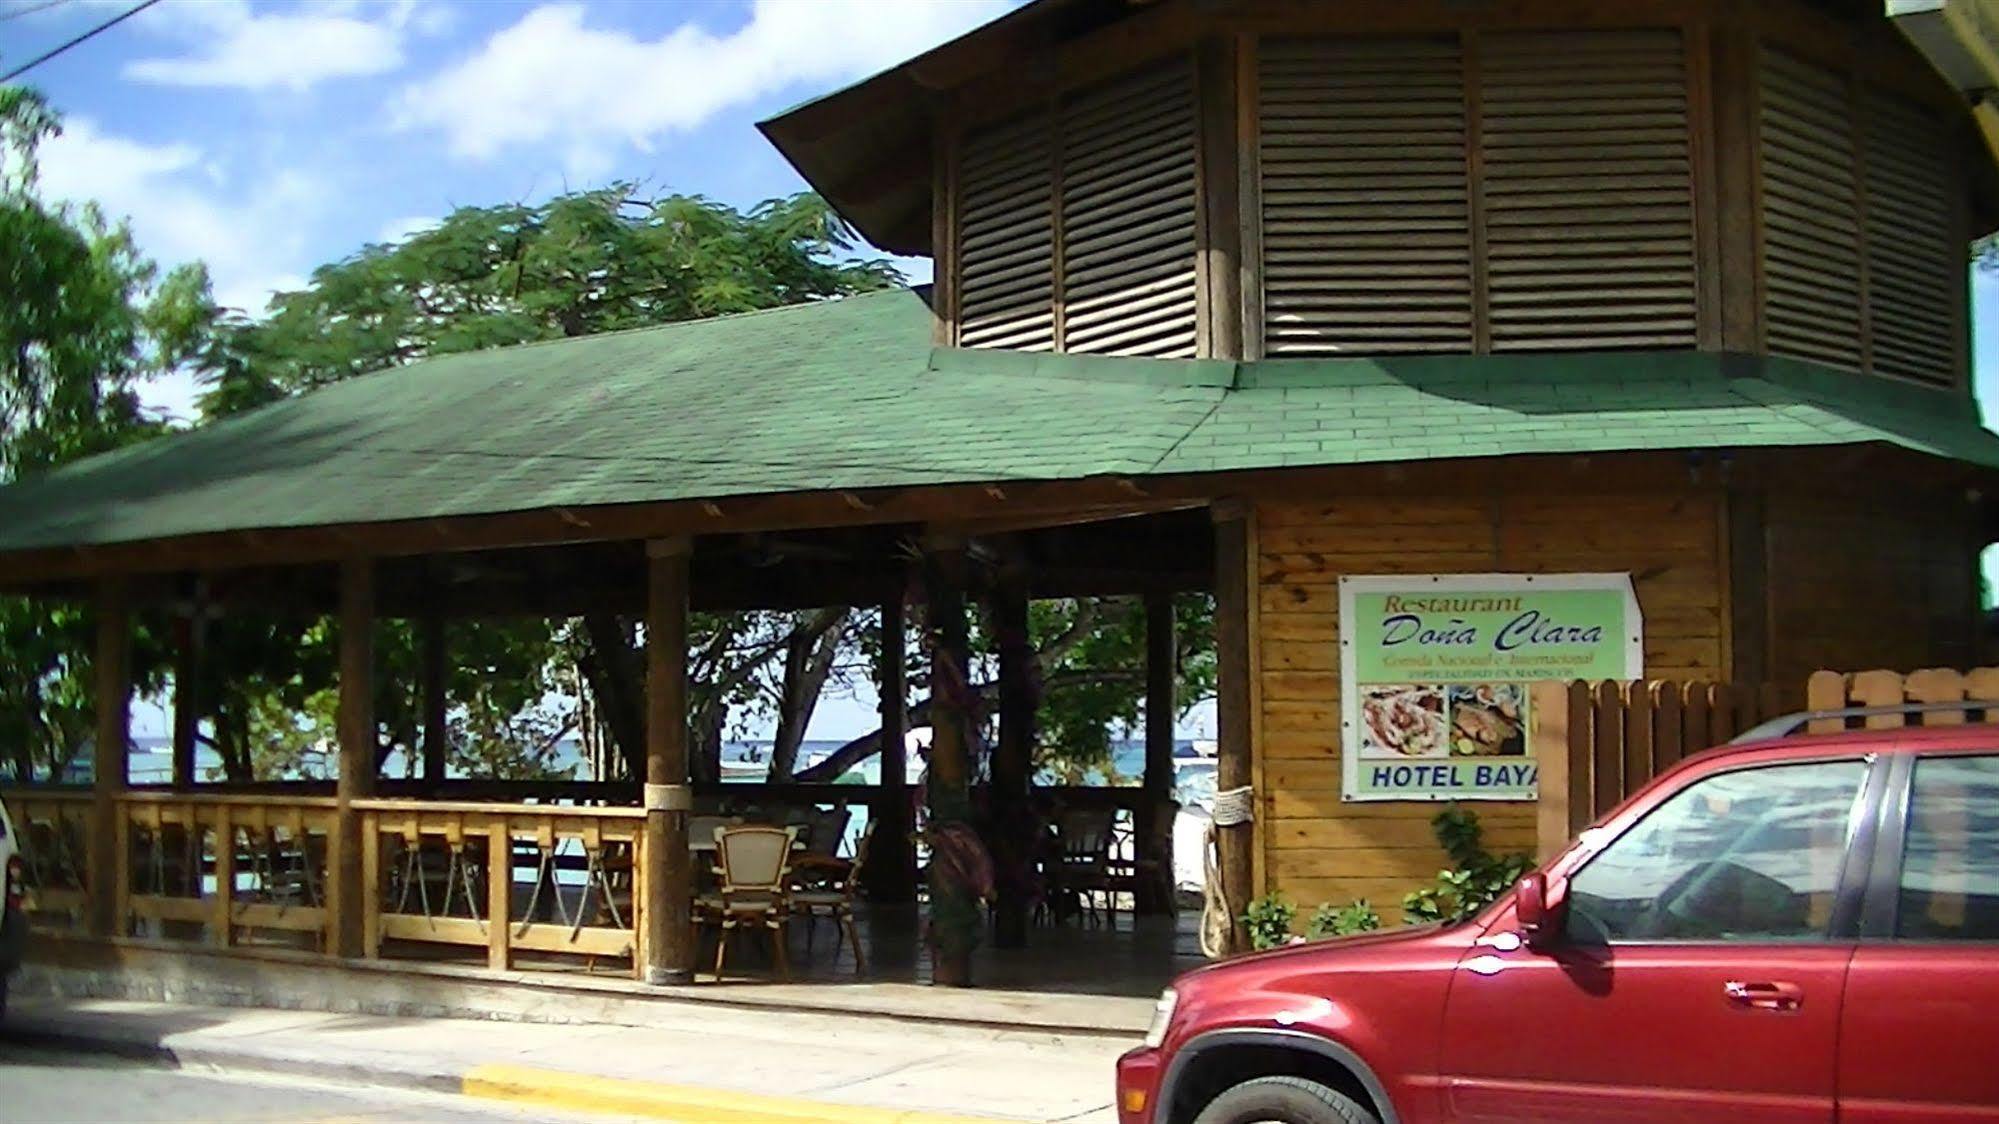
{"type": "Point", "coordinates": [850, 394]}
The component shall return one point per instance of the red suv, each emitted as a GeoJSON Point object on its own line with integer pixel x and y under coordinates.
{"type": "Point", "coordinates": [1786, 929]}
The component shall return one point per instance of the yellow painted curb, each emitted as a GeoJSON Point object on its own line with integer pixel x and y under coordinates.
{"type": "Point", "coordinates": [683, 1104]}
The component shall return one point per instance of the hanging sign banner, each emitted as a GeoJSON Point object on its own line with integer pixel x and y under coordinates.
{"type": "Point", "coordinates": [1434, 673]}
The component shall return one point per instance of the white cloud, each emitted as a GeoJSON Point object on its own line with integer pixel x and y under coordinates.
{"type": "Point", "coordinates": [553, 78]}
{"type": "Point", "coordinates": [231, 45]}
{"type": "Point", "coordinates": [182, 209]}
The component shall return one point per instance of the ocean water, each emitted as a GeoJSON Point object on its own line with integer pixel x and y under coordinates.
{"type": "Point", "coordinates": [152, 762]}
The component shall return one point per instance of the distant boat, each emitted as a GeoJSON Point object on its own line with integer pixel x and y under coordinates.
{"type": "Point", "coordinates": [1199, 747]}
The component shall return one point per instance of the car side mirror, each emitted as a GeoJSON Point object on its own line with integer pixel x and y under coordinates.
{"type": "Point", "coordinates": [1541, 921]}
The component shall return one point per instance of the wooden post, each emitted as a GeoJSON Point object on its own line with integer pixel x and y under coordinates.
{"type": "Point", "coordinates": [669, 882]}
{"type": "Point", "coordinates": [435, 702]}
{"type": "Point", "coordinates": [954, 907]}
{"type": "Point", "coordinates": [107, 861]}
{"type": "Point", "coordinates": [499, 897]}
{"type": "Point", "coordinates": [1548, 702]}
{"type": "Point", "coordinates": [222, 923]}
{"type": "Point", "coordinates": [1013, 762]}
{"type": "Point", "coordinates": [1153, 837]}
{"type": "Point", "coordinates": [371, 877]}
{"type": "Point", "coordinates": [1220, 220]}
{"type": "Point", "coordinates": [891, 869]}
{"type": "Point", "coordinates": [1233, 573]}
{"type": "Point", "coordinates": [187, 690]}
{"type": "Point", "coordinates": [356, 721]}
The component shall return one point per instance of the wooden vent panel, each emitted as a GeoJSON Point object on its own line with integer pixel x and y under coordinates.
{"type": "Point", "coordinates": [1366, 214]}
{"type": "Point", "coordinates": [1811, 212]}
{"type": "Point", "coordinates": [1588, 190]}
{"type": "Point", "coordinates": [1007, 237]}
{"type": "Point", "coordinates": [1128, 205]}
{"type": "Point", "coordinates": [1915, 267]}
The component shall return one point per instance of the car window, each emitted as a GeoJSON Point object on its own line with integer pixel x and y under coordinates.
{"type": "Point", "coordinates": [1950, 857]}
{"type": "Point", "coordinates": [1753, 854]}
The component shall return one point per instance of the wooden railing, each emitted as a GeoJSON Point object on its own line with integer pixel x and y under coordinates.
{"type": "Point", "coordinates": [54, 829]}
{"type": "Point", "coordinates": [445, 873]}
{"type": "Point", "coordinates": [262, 868]}
{"type": "Point", "coordinates": [1597, 743]}
{"type": "Point", "coordinates": [220, 868]}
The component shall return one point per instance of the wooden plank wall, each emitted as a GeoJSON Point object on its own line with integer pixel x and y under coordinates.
{"type": "Point", "coordinates": [1318, 849]}
{"type": "Point", "coordinates": [1860, 581]}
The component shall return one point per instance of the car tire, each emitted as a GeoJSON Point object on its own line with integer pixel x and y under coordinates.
{"type": "Point", "coordinates": [1285, 1100]}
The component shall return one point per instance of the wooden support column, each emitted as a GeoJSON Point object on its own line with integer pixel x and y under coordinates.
{"type": "Point", "coordinates": [669, 868]}
{"type": "Point", "coordinates": [954, 906]}
{"type": "Point", "coordinates": [348, 889]}
{"type": "Point", "coordinates": [436, 739]}
{"type": "Point", "coordinates": [187, 688]}
{"type": "Point", "coordinates": [1234, 571]}
{"type": "Point", "coordinates": [107, 865]}
{"type": "Point", "coordinates": [891, 868]}
{"type": "Point", "coordinates": [1222, 151]}
{"type": "Point", "coordinates": [1154, 834]}
{"type": "Point", "coordinates": [1013, 762]}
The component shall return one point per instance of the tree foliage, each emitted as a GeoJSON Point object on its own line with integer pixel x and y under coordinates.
{"type": "Point", "coordinates": [86, 318]}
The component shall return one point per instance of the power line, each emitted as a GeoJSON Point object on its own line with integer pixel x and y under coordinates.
{"type": "Point", "coordinates": [31, 9]}
{"type": "Point", "coordinates": [91, 34]}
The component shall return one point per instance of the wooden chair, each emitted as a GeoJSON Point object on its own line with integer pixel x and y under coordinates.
{"type": "Point", "coordinates": [753, 864]}
{"type": "Point", "coordinates": [828, 890]}
{"type": "Point", "coordinates": [1084, 869]}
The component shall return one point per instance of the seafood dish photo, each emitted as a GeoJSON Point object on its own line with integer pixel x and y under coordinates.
{"type": "Point", "coordinates": [1486, 720]}
{"type": "Point", "coordinates": [1403, 721]}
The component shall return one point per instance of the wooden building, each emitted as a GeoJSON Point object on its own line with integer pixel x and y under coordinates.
{"type": "Point", "coordinates": [1243, 296]}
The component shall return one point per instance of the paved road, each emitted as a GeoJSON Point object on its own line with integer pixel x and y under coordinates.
{"type": "Point", "coordinates": [38, 1087]}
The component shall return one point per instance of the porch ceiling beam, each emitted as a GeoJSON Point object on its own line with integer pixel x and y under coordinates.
{"type": "Point", "coordinates": [429, 535]}
{"type": "Point", "coordinates": [1053, 503]}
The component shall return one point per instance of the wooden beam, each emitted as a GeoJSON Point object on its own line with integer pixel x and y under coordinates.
{"type": "Point", "coordinates": [1235, 570]}
{"type": "Point", "coordinates": [436, 736]}
{"type": "Point", "coordinates": [1013, 759]}
{"type": "Point", "coordinates": [347, 889]}
{"type": "Point", "coordinates": [669, 876]}
{"type": "Point", "coordinates": [1220, 217]}
{"type": "Point", "coordinates": [954, 910]}
{"type": "Point", "coordinates": [187, 689]}
{"type": "Point", "coordinates": [1154, 822]}
{"type": "Point", "coordinates": [944, 287]}
{"type": "Point", "coordinates": [892, 857]}
{"type": "Point", "coordinates": [106, 861]}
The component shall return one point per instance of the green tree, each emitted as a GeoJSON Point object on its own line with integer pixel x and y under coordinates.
{"type": "Point", "coordinates": [581, 263]}
{"type": "Point", "coordinates": [85, 319]}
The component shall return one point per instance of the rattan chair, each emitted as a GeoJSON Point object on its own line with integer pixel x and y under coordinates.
{"type": "Point", "coordinates": [753, 864]}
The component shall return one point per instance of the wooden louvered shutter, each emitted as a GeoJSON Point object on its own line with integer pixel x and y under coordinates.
{"type": "Point", "coordinates": [1587, 190]}
{"type": "Point", "coordinates": [1128, 245]}
{"type": "Point", "coordinates": [1811, 219]}
{"type": "Point", "coordinates": [1915, 268]}
{"type": "Point", "coordinates": [1006, 241]}
{"type": "Point", "coordinates": [1366, 230]}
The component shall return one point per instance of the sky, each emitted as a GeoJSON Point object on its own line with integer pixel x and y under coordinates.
{"type": "Point", "coordinates": [266, 138]}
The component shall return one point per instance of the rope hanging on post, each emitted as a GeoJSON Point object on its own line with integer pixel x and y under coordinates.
{"type": "Point", "coordinates": [1233, 808]}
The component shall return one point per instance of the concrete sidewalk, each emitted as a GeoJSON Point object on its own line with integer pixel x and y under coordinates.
{"type": "Point", "coordinates": [722, 1066]}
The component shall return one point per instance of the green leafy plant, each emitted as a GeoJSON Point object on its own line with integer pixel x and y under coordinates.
{"type": "Point", "coordinates": [1268, 920]}
{"type": "Point", "coordinates": [1475, 877]}
{"type": "Point", "coordinates": [1339, 921]}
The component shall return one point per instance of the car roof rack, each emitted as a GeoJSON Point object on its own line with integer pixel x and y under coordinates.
{"type": "Point", "coordinates": [1791, 723]}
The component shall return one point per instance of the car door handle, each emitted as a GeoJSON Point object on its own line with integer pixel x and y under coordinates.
{"type": "Point", "coordinates": [1764, 996]}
